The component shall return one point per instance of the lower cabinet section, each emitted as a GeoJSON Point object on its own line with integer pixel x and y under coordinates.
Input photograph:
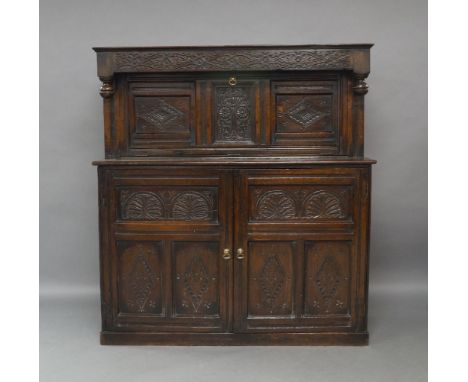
{"type": "Point", "coordinates": [170, 285]}
{"type": "Point", "coordinates": [298, 286]}
{"type": "Point", "coordinates": [277, 257]}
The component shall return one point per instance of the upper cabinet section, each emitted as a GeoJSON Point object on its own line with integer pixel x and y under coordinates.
{"type": "Point", "coordinates": [301, 100]}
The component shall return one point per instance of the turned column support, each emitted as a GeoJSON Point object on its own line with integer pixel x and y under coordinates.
{"type": "Point", "coordinates": [107, 87]}
{"type": "Point", "coordinates": [107, 91]}
{"type": "Point", "coordinates": [360, 89]}
{"type": "Point", "coordinates": [360, 86]}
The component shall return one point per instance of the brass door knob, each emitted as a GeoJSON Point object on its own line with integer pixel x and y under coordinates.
{"type": "Point", "coordinates": [227, 254]}
{"type": "Point", "coordinates": [232, 81]}
{"type": "Point", "coordinates": [240, 253]}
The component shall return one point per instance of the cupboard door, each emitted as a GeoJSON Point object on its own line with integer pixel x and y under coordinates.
{"type": "Point", "coordinates": [296, 230]}
{"type": "Point", "coordinates": [166, 265]}
{"type": "Point", "coordinates": [306, 113]}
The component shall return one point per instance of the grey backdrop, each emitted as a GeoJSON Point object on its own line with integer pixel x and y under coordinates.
{"type": "Point", "coordinates": [71, 131]}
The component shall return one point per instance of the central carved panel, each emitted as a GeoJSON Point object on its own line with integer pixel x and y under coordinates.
{"type": "Point", "coordinates": [233, 114]}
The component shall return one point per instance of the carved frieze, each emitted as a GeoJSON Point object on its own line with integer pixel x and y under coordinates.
{"type": "Point", "coordinates": [240, 59]}
{"type": "Point", "coordinates": [187, 205]}
{"type": "Point", "coordinates": [293, 205]}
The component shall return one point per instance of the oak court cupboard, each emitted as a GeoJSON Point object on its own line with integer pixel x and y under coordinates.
{"type": "Point", "coordinates": [234, 197]}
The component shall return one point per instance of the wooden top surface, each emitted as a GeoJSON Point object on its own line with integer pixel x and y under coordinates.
{"type": "Point", "coordinates": [229, 47]}
{"type": "Point", "coordinates": [236, 161]}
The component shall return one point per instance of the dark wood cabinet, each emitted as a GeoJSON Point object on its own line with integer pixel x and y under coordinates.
{"type": "Point", "coordinates": [234, 198]}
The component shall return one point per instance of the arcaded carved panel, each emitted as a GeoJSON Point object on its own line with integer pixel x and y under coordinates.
{"type": "Point", "coordinates": [293, 204]}
{"type": "Point", "coordinates": [241, 59]}
{"type": "Point", "coordinates": [168, 204]}
{"type": "Point", "coordinates": [196, 281]}
{"type": "Point", "coordinates": [234, 116]}
{"type": "Point", "coordinates": [140, 278]}
{"type": "Point", "coordinates": [327, 278]}
{"type": "Point", "coordinates": [142, 206]}
{"type": "Point", "coordinates": [275, 205]}
{"type": "Point", "coordinates": [270, 279]}
{"type": "Point", "coordinates": [324, 205]}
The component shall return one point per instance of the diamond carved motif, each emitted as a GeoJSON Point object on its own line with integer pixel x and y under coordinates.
{"type": "Point", "coordinates": [328, 279]}
{"type": "Point", "coordinates": [272, 279]}
{"type": "Point", "coordinates": [141, 281]}
{"type": "Point", "coordinates": [196, 282]}
{"type": "Point", "coordinates": [304, 113]}
{"type": "Point", "coordinates": [158, 114]}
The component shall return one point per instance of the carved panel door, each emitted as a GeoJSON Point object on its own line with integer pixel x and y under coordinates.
{"type": "Point", "coordinates": [167, 268]}
{"type": "Point", "coordinates": [295, 250]}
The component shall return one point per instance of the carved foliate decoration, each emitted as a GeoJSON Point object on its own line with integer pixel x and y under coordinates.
{"type": "Point", "coordinates": [293, 205]}
{"type": "Point", "coordinates": [191, 206]}
{"type": "Point", "coordinates": [241, 59]}
{"type": "Point", "coordinates": [168, 205]}
{"type": "Point", "coordinates": [158, 114]}
{"type": "Point", "coordinates": [143, 206]}
{"type": "Point", "coordinates": [141, 281]}
{"type": "Point", "coordinates": [233, 116]}
{"type": "Point", "coordinates": [275, 205]}
{"type": "Point", "coordinates": [272, 279]}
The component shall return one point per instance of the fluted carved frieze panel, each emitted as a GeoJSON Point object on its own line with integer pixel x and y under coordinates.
{"type": "Point", "coordinates": [185, 205]}
{"type": "Point", "coordinates": [287, 204]}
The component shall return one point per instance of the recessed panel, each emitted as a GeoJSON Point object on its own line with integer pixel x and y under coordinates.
{"type": "Point", "coordinates": [196, 279]}
{"type": "Point", "coordinates": [327, 278]}
{"type": "Point", "coordinates": [140, 277]}
{"type": "Point", "coordinates": [234, 115]}
{"type": "Point", "coordinates": [270, 274]}
{"type": "Point", "coordinates": [306, 113]}
{"type": "Point", "coordinates": [161, 113]}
